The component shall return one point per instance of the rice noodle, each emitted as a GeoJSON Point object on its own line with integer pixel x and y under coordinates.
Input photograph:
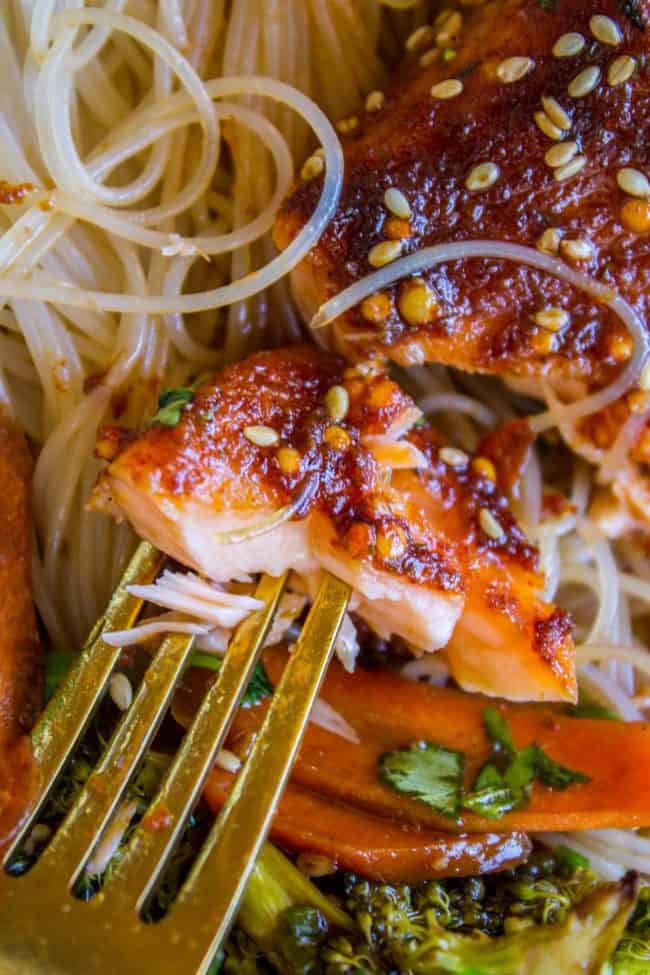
{"type": "Point", "coordinates": [429, 257]}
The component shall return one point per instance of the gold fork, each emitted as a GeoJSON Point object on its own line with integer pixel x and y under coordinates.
{"type": "Point", "coordinates": [44, 928]}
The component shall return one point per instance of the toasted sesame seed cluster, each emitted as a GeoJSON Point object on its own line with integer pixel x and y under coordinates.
{"type": "Point", "coordinates": [508, 121]}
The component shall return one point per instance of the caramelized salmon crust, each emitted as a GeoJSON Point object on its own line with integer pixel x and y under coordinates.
{"type": "Point", "coordinates": [20, 650]}
{"type": "Point", "coordinates": [430, 548]}
{"type": "Point", "coordinates": [533, 143]}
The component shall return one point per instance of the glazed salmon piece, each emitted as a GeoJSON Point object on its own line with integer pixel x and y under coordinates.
{"type": "Point", "coordinates": [367, 500]}
{"type": "Point", "coordinates": [20, 649]}
{"type": "Point", "coordinates": [534, 128]}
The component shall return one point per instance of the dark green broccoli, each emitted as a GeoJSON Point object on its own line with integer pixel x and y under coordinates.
{"type": "Point", "coordinates": [632, 956]}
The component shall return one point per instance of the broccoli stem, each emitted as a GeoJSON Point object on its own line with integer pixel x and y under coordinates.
{"type": "Point", "coordinates": [275, 886]}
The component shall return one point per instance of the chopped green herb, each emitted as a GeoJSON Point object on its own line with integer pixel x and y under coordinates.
{"type": "Point", "coordinates": [595, 711]}
{"type": "Point", "coordinates": [632, 10]}
{"type": "Point", "coordinates": [490, 796]}
{"type": "Point", "coordinates": [497, 730]}
{"type": "Point", "coordinates": [427, 772]}
{"type": "Point", "coordinates": [553, 774]}
{"type": "Point", "coordinates": [170, 405]}
{"type": "Point", "coordinates": [259, 687]}
{"type": "Point", "coordinates": [571, 859]}
{"type": "Point", "coordinates": [520, 773]}
{"type": "Point", "coordinates": [448, 54]}
{"type": "Point", "coordinates": [57, 664]}
{"type": "Point", "coordinates": [549, 5]}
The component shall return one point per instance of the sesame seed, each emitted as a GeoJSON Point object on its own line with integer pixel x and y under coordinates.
{"type": "Point", "coordinates": [453, 457]}
{"type": "Point", "coordinates": [549, 241]}
{"type": "Point", "coordinates": [337, 402]}
{"type": "Point", "coordinates": [417, 302]}
{"type": "Point", "coordinates": [337, 438]}
{"type": "Point", "coordinates": [376, 308]}
{"type": "Point", "coordinates": [571, 168]}
{"type": "Point", "coordinates": [638, 401]}
{"type": "Point", "coordinates": [442, 17]}
{"type": "Point", "coordinates": [605, 30]}
{"type": "Point", "coordinates": [420, 38]}
{"type": "Point", "coordinates": [397, 229]}
{"type": "Point", "coordinates": [584, 82]}
{"type": "Point", "coordinates": [490, 525]}
{"type": "Point", "coordinates": [552, 319]}
{"type": "Point", "coordinates": [482, 177]}
{"type": "Point", "coordinates": [568, 45]}
{"type": "Point", "coordinates": [385, 252]}
{"type": "Point", "coordinates": [577, 249]}
{"type": "Point", "coordinates": [514, 69]}
{"type": "Point", "coordinates": [450, 30]}
{"type": "Point", "coordinates": [429, 57]}
{"type": "Point", "coordinates": [644, 378]}
{"type": "Point", "coordinates": [261, 436]}
{"type": "Point", "coordinates": [621, 347]}
{"type": "Point", "coordinates": [288, 460]}
{"type": "Point", "coordinates": [392, 543]}
{"type": "Point", "coordinates": [396, 202]}
{"type": "Point", "coordinates": [635, 215]}
{"type": "Point", "coordinates": [484, 468]}
{"type": "Point", "coordinates": [121, 692]}
{"type": "Point", "coordinates": [447, 89]}
{"type": "Point", "coordinates": [545, 125]}
{"type": "Point", "coordinates": [633, 182]}
{"type": "Point", "coordinates": [313, 167]}
{"type": "Point", "coordinates": [556, 113]}
{"type": "Point", "coordinates": [375, 101]}
{"type": "Point", "coordinates": [346, 125]}
{"type": "Point", "coordinates": [543, 341]}
{"type": "Point", "coordinates": [621, 70]}
{"type": "Point", "coordinates": [560, 154]}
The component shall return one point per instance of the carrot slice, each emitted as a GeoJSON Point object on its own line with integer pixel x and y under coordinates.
{"type": "Point", "coordinates": [388, 712]}
{"type": "Point", "coordinates": [377, 848]}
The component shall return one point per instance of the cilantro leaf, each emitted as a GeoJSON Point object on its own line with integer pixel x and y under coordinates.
{"type": "Point", "coordinates": [170, 405]}
{"type": "Point", "coordinates": [490, 796]}
{"type": "Point", "coordinates": [259, 686]}
{"type": "Point", "coordinates": [520, 773]}
{"type": "Point", "coordinates": [553, 774]}
{"type": "Point", "coordinates": [57, 664]}
{"type": "Point", "coordinates": [497, 730]}
{"type": "Point", "coordinates": [427, 772]}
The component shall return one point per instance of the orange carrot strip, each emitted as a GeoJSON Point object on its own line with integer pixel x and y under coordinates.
{"type": "Point", "coordinates": [377, 848]}
{"type": "Point", "coordinates": [388, 712]}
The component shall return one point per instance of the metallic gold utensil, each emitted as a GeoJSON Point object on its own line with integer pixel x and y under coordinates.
{"type": "Point", "coordinates": [44, 928]}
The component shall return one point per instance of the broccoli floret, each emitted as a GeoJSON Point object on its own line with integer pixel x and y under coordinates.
{"type": "Point", "coordinates": [632, 956]}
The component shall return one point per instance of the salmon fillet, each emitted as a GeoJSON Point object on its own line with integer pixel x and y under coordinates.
{"type": "Point", "coordinates": [371, 501]}
{"type": "Point", "coordinates": [521, 79]}
{"type": "Point", "coordinates": [20, 650]}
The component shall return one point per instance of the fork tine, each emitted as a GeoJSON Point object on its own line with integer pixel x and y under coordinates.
{"type": "Point", "coordinates": [66, 718]}
{"type": "Point", "coordinates": [210, 897]}
{"type": "Point", "coordinates": [149, 850]}
{"type": "Point", "coordinates": [74, 841]}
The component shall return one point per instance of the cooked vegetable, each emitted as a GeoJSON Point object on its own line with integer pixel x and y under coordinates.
{"type": "Point", "coordinates": [388, 712]}
{"type": "Point", "coordinates": [545, 918]}
{"type": "Point", "coordinates": [377, 847]}
{"type": "Point", "coordinates": [632, 956]}
{"type": "Point", "coordinates": [427, 772]}
{"type": "Point", "coordinates": [258, 688]}
{"type": "Point", "coordinates": [170, 406]}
